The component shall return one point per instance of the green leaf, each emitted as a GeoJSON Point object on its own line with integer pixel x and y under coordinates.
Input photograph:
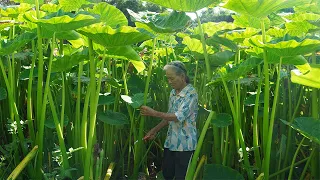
{"type": "Point", "coordinates": [195, 46]}
{"type": "Point", "coordinates": [49, 123]}
{"type": "Point", "coordinates": [3, 93]}
{"type": "Point", "coordinates": [136, 101]}
{"type": "Point", "coordinates": [5, 23]}
{"type": "Point", "coordinates": [66, 62]}
{"type": "Point", "coordinates": [307, 126]}
{"type": "Point", "coordinates": [106, 100]}
{"type": "Point", "coordinates": [27, 1]}
{"type": "Point", "coordinates": [220, 58]}
{"type": "Point", "coordinates": [186, 6]}
{"type": "Point", "coordinates": [216, 40]}
{"type": "Point", "coordinates": [310, 79]}
{"type": "Point", "coordinates": [161, 23]}
{"type": "Point", "coordinates": [210, 28]}
{"type": "Point", "coordinates": [138, 65]}
{"type": "Point", "coordinates": [289, 48]}
{"type": "Point", "coordinates": [71, 5]}
{"type": "Point", "coordinates": [17, 43]}
{"type": "Point", "coordinates": [250, 21]}
{"type": "Point", "coordinates": [109, 14]}
{"type": "Point", "coordinates": [299, 28]}
{"type": "Point", "coordinates": [24, 75]}
{"type": "Point", "coordinates": [218, 172]}
{"type": "Point", "coordinates": [313, 7]}
{"type": "Point", "coordinates": [113, 118]}
{"type": "Point", "coordinates": [49, 7]}
{"type": "Point", "coordinates": [61, 21]}
{"type": "Point", "coordinates": [120, 52]}
{"type": "Point", "coordinates": [108, 37]}
{"type": "Point", "coordinates": [14, 11]}
{"type": "Point", "coordinates": [276, 32]}
{"type": "Point", "coordinates": [258, 8]}
{"type": "Point", "coordinates": [251, 99]}
{"type": "Point", "coordinates": [222, 120]}
{"type": "Point", "coordinates": [239, 36]}
{"type": "Point", "coordinates": [66, 35]}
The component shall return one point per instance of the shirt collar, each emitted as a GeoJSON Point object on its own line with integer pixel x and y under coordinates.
{"type": "Point", "coordinates": [183, 92]}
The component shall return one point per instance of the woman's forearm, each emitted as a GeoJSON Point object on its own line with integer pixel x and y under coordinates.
{"type": "Point", "coordinates": [166, 116]}
{"type": "Point", "coordinates": [162, 124]}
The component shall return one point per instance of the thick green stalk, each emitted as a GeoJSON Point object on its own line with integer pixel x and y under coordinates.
{"type": "Point", "coordinates": [193, 164]}
{"type": "Point", "coordinates": [63, 104]}
{"type": "Point", "coordinates": [272, 117]}
{"type": "Point", "coordinates": [202, 162]}
{"type": "Point", "coordinates": [266, 90]}
{"type": "Point", "coordinates": [77, 134]}
{"type": "Point", "coordinates": [40, 71]}
{"type": "Point", "coordinates": [255, 125]}
{"type": "Point", "coordinates": [29, 100]}
{"type": "Point", "coordinates": [294, 159]}
{"type": "Point", "coordinates": [204, 46]}
{"type": "Point", "coordinates": [139, 144]}
{"type": "Point", "coordinates": [93, 107]}
{"type": "Point", "coordinates": [65, 162]}
{"type": "Point", "coordinates": [40, 134]}
{"type": "Point", "coordinates": [315, 114]}
{"type": "Point", "coordinates": [224, 161]}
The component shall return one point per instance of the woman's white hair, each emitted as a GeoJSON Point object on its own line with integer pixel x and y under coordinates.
{"type": "Point", "coordinates": [179, 69]}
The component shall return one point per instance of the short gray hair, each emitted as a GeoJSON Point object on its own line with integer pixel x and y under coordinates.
{"type": "Point", "coordinates": [179, 69]}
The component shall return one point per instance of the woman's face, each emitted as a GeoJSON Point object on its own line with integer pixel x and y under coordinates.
{"type": "Point", "coordinates": [175, 81]}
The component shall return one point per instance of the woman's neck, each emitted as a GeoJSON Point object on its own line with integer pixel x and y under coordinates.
{"type": "Point", "coordinates": [180, 89]}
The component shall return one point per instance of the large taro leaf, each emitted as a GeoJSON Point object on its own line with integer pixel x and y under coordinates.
{"type": "Point", "coordinates": [250, 21]}
{"type": "Point", "coordinates": [233, 72]}
{"type": "Point", "coordinates": [119, 52]}
{"type": "Point", "coordinates": [217, 171]}
{"type": "Point", "coordinates": [310, 79]}
{"type": "Point", "coordinates": [66, 62]}
{"type": "Point", "coordinates": [210, 28]}
{"type": "Point", "coordinates": [113, 118]}
{"type": "Point", "coordinates": [220, 58]}
{"type": "Point", "coordinates": [62, 21]}
{"type": "Point", "coordinates": [195, 46]}
{"type": "Point", "coordinates": [3, 93]}
{"type": "Point", "coordinates": [109, 14]}
{"type": "Point", "coordinates": [258, 8]}
{"type": "Point", "coordinates": [222, 120]}
{"type": "Point", "coordinates": [50, 8]}
{"type": "Point", "coordinates": [162, 23]}
{"type": "Point", "coordinates": [136, 101]}
{"type": "Point", "coordinates": [71, 5]}
{"type": "Point", "coordinates": [49, 123]}
{"type": "Point", "coordinates": [17, 43]}
{"type": "Point", "coordinates": [138, 65]}
{"type": "Point", "coordinates": [14, 11]}
{"type": "Point", "coordinates": [216, 40]}
{"type": "Point", "coordinates": [251, 99]}
{"type": "Point", "coordinates": [66, 35]}
{"type": "Point", "coordinates": [313, 6]}
{"type": "Point", "coordinates": [238, 36]}
{"type": "Point", "coordinates": [108, 37]}
{"type": "Point", "coordinates": [307, 126]}
{"type": "Point", "coordinates": [289, 48]}
{"type": "Point", "coordinates": [186, 6]}
{"type": "Point", "coordinates": [106, 100]}
{"type": "Point", "coordinates": [28, 1]}
{"type": "Point", "coordinates": [5, 23]}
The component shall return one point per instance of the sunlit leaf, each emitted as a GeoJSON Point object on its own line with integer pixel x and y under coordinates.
{"type": "Point", "coordinates": [136, 100]}
{"type": "Point", "coordinates": [251, 99]}
{"type": "Point", "coordinates": [310, 79]}
{"type": "Point", "coordinates": [66, 62]}
{"type": "Point", "coordinates": [276, 32]}
{"type": "Point", "coordinates": [14, 11]}
{"type": "Point", "coordinates": [186, 6]}
{"type": "Point", "coordinates": [61, 21]}
{"type": "Point", "coordinates": [138, 65]}
{"type": "Point", "coordinates": [109, 14]}
{"type": "Point", "coordinates": [17, 43]}
{"type": "Point", "coordinates": [195, 46]}
{"type": "Point", "coordinates": [222, 120]}
{"type": "Point", "coordinates": [108, 37]}
{"type": "Point", "coordinates": [120, 52]}
{"type": "Point", "coordinates": [258, 8]}
{"type": "Point", "coordinates": [210, 28]}
{"type": "Point", "coordinates": [5, 23]}
{"type": "Point", "coordinates": [71, 5]}
{"type": "Point", "coordinates": [238, 36]}
{"type": "Point", "coordinates": [50, 8]}
{"type": "Point", "coordinates": [307, 126]}
{"type": "Point", "coordinates": [106, 100]}
{"type": "Point", "coordinates": [112, 118]}
{"type": "Point", "coordinates": [217, 171]}
{"type": "Point", "coordinates": [162, 23]}
{"type": "Point", "coordinates": [250, 21]}
{"type": "Point", "coordinates": [313, 7]}
{"type": "Point", "coordinates": [216, 40]}
{"type": "Point", "coordinates": [220, 58]}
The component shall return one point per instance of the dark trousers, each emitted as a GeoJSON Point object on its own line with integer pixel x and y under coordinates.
{"type": "Point", "coordinates": [175, 164]}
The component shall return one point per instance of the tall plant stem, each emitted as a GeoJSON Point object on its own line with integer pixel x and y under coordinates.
{"type": "Point", "coordinates": [40, 134]}
{"type": "Point", "coordinates": [77, 134]}
{"type": "Point", "coordinates": [93, 107]}
{"type": "Point", "coordinates": [306, 166]}
{"type": "Point", "coordinates": [40, 71]}
{"type": "Point", "coordinates": [139, 151]}
{"type": "Point", "coordinates": [238, 130]}
{"type": "Point", "coordinates": [294, 159]}
{"type": "Point", "coordinates": [273, 113]}
{"type": "Point", "coordinates": [287, 168]}
{"type": "Point", "coordinates": [193, 164]}
{"type": "Point", "coordinates": [255, 125]}
{"type": "Point", "coordinates": [63, 104]}
{"type": "Point", "coordinates": [29, 100]}
{"type": "Point", "coordinates": [266, 90]}
{"type": "Point", "coordinates": [204, 46]}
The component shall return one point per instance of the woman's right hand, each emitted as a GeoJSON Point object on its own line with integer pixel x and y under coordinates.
{"type": "Point", "coordinates": [150, 135]}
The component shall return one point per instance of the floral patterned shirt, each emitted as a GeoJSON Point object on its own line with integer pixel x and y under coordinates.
{"type": "Point", "coordinates": [182, 135]}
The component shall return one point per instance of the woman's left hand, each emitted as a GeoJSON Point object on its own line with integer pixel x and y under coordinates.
{"type": "Point", "coordinates": [147, 111]}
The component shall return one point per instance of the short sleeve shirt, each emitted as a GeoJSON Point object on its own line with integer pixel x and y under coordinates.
{"type": "Point", "coordinates": [182, 135]}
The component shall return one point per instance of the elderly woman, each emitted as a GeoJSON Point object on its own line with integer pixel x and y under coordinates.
{"type": "Point", "coordinates": [181, 117]}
